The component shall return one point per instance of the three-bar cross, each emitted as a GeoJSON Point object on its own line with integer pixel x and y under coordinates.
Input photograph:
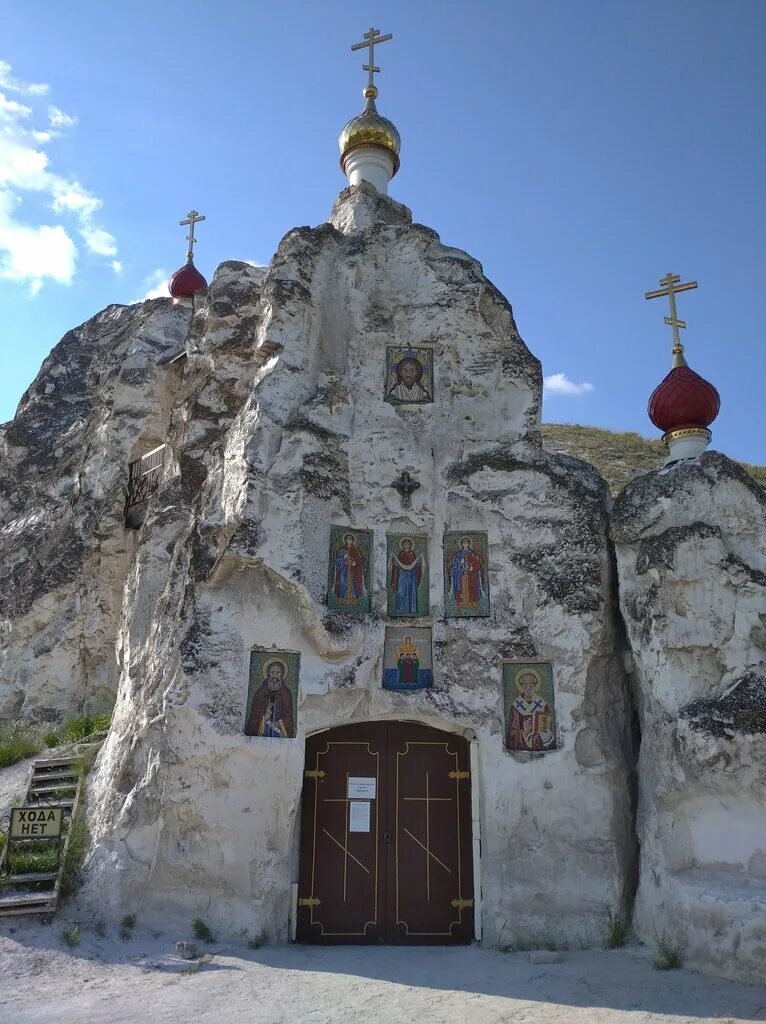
{"type": "Point", "coordinates": [671, 289]}
{"type": "Point", "coordinates": [192, 218]}
{"type": "Point", "coordinates": [372, 38]}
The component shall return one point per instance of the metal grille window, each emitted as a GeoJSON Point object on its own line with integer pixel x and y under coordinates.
{"type": "Point", "coordinates": [143, 480]}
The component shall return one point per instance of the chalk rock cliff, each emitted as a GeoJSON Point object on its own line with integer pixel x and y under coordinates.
{"type": "Point", "coordinates": [279, 429]}
{"type": "Point", "coordinates": [100, 397]}
{"type": "Point", "coordinates": [691, 555]}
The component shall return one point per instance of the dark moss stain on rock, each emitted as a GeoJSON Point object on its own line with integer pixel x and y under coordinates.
{"type": "Point", "coordinates": [324, 474]}
{"type": "Point", "coordinates": [740, 709]}
{"type": "Point", "coordinates": [659, 552]}
{"type": "Point", "coordinates": [570, 569]}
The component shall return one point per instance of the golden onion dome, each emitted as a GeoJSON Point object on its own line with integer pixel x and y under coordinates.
{"type": "Point", "coordinates": [369, 129]}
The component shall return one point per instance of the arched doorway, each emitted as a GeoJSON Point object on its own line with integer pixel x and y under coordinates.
{"type": "Point", "coordinates": [386, 851]}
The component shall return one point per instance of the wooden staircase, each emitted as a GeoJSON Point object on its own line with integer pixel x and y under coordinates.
{"type": "Point", "coordinates": [52, 782]}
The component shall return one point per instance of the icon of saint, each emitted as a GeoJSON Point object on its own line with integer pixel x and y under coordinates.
{"type": "Point", "coordinates": [271, 712]}
{"type": "Point", "coordinates": [406, 572]}
{"type": "Point", "coordinates": [348, 582]}
{"type": "Point", "coordinates": [408, 663]}
{"type": "Point", "coordinates": [466, 588]}
{"type": "Point", "coordinates": [409, 385]}
{"type": "Point", "coordinates": [530, 720]}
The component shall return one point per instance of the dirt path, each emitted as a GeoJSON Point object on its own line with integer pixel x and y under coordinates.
{"type": "Point", "coordinates": [106, 979]}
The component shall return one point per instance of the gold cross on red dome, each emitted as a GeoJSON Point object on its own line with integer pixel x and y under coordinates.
{"type": "Point", "coordinates": [673, 285]}
{"type": "Point", "coordinates": [372, 38]}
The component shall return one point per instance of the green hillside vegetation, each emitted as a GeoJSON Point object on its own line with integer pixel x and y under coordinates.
{"type": "Point", "coordinates": [617, 456]}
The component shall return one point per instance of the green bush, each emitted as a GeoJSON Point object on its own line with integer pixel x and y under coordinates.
{"type": "Point", "coordinates": [83, 725]}
{"type": "Point", "coordinates": [51, 739]}
{"type": "Point", "coordinates": [201, 930]}
{"type": "Point", "coordinates": [77, 728]}
{"type": "Point", "coordinates": [258, 940]}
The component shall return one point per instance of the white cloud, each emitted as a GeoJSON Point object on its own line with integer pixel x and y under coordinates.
{"type": "Point", "coordinates": [32, 253]}
{"type": "Point", "coordinates": [117, 266]}
{"type": "Point", "coordinates": [58, 119]}
{"type": "Point", "coordinates": [7, 81]}
{"type": "Point", "coordinates": [560, 384]}
{"type": "Point", "coordinates": [155, 286]}
{"type": "Point", "coordinates": [28, 254]}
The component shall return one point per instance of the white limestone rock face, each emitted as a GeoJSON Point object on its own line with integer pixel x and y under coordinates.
{"type": "Point", "coordinates": [280, 430]}
{"type": "Point", "coordinates": [99, 397]}
{"type": "Point", "coordinates": [691, 555]}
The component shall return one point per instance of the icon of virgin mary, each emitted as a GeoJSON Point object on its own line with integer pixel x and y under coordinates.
{"type": "Point", "coordinates": [406, 570]}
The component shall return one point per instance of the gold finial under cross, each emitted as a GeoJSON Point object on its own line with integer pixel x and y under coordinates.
{"type": "Point", "coordinates": [671, 289]}
{"type": "Point", "coordinates": [192, 218]}
{"type": "Point", "coordinates": [372, 38]}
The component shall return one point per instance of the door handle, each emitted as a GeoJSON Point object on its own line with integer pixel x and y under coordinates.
{"type": "Point", "coordinates": [386, 837]}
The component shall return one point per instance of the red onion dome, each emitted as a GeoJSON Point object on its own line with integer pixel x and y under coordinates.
{"type": "Point", "coordinates": [186, 281]}
{"type": "Point", "coordinates": [683, 400]}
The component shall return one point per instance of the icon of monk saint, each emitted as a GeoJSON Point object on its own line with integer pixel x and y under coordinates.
{"type": "Point", "coordinates": [466, 587]}
{"type": "Point", "coordinates": [348, 581]}
{"type": "Point", "coordinates": [530, 720]}
{"type": "Point", "coordinates": [271, 711]}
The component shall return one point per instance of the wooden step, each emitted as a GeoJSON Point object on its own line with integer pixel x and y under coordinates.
{"type": "Point", "coordinates": [16, 899]}
{"type": "Point", "coordinates": [31, 876]}
{"type": "Point", "coordinates": [48, 803]}
{"type": "Point", "coordinates": [34, 789]}
{"type": "Point", "coordinates": [53, 762]}
{"type": "Point", "coordinates": [43, 908]}
{"type": "Point", "coordinates": [42, 774]}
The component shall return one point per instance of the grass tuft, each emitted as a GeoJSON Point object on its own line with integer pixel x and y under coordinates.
{"type": "Point", "coordinates": [258, 940]}
{"type": "Point", "coordinates": [667, 953]}
{"type": "Point", "coordinates": [32, 857]}
{"type": "Point", "coordinates": [72, 935]}
{"type": "Point", "coordinates": [17, 742]}
{"type": "Point", "coordinates": [201, 930]}
{"type": "Point", "coordinates": [127, 925]}
{"type": "Point", "coordinates": [616, 931]}
{"type": "Point", "coordinates": [75, 855]}
{"type": "Point", "coordinates": [51, 739]}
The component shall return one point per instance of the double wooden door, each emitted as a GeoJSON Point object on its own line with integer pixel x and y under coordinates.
{"type": "Point", "coordinates": [386, 846]}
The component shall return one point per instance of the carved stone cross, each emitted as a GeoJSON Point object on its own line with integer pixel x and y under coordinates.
{"type": "Point", "coordinates": [405, 485]}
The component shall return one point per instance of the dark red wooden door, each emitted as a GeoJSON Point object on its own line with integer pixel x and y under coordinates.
{"type": "Point", "coordinates": [393, 866]}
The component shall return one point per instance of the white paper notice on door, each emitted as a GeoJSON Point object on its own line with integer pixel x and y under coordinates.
{"type": "Point", "coordinates": [359, 816]}
{"type": "Point", "coordinates": [361, 789]}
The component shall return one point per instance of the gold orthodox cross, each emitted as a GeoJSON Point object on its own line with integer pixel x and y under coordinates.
{"type": "Point", "coordinates": [671, 289]}
{"type": "Point", "coordinates": [192, 218]}
{"type": "Point", "coordinates": [372, 39]}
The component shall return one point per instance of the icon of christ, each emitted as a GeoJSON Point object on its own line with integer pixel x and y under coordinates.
{"type": "Point", "coordinates": [406, 570]}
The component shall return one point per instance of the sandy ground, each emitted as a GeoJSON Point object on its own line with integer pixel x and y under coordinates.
{"type": "Point", "coordinates": [107, 979]}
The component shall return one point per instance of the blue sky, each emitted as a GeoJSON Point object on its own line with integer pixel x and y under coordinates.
{"type": "Point", "coordinates": [579, 149]}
